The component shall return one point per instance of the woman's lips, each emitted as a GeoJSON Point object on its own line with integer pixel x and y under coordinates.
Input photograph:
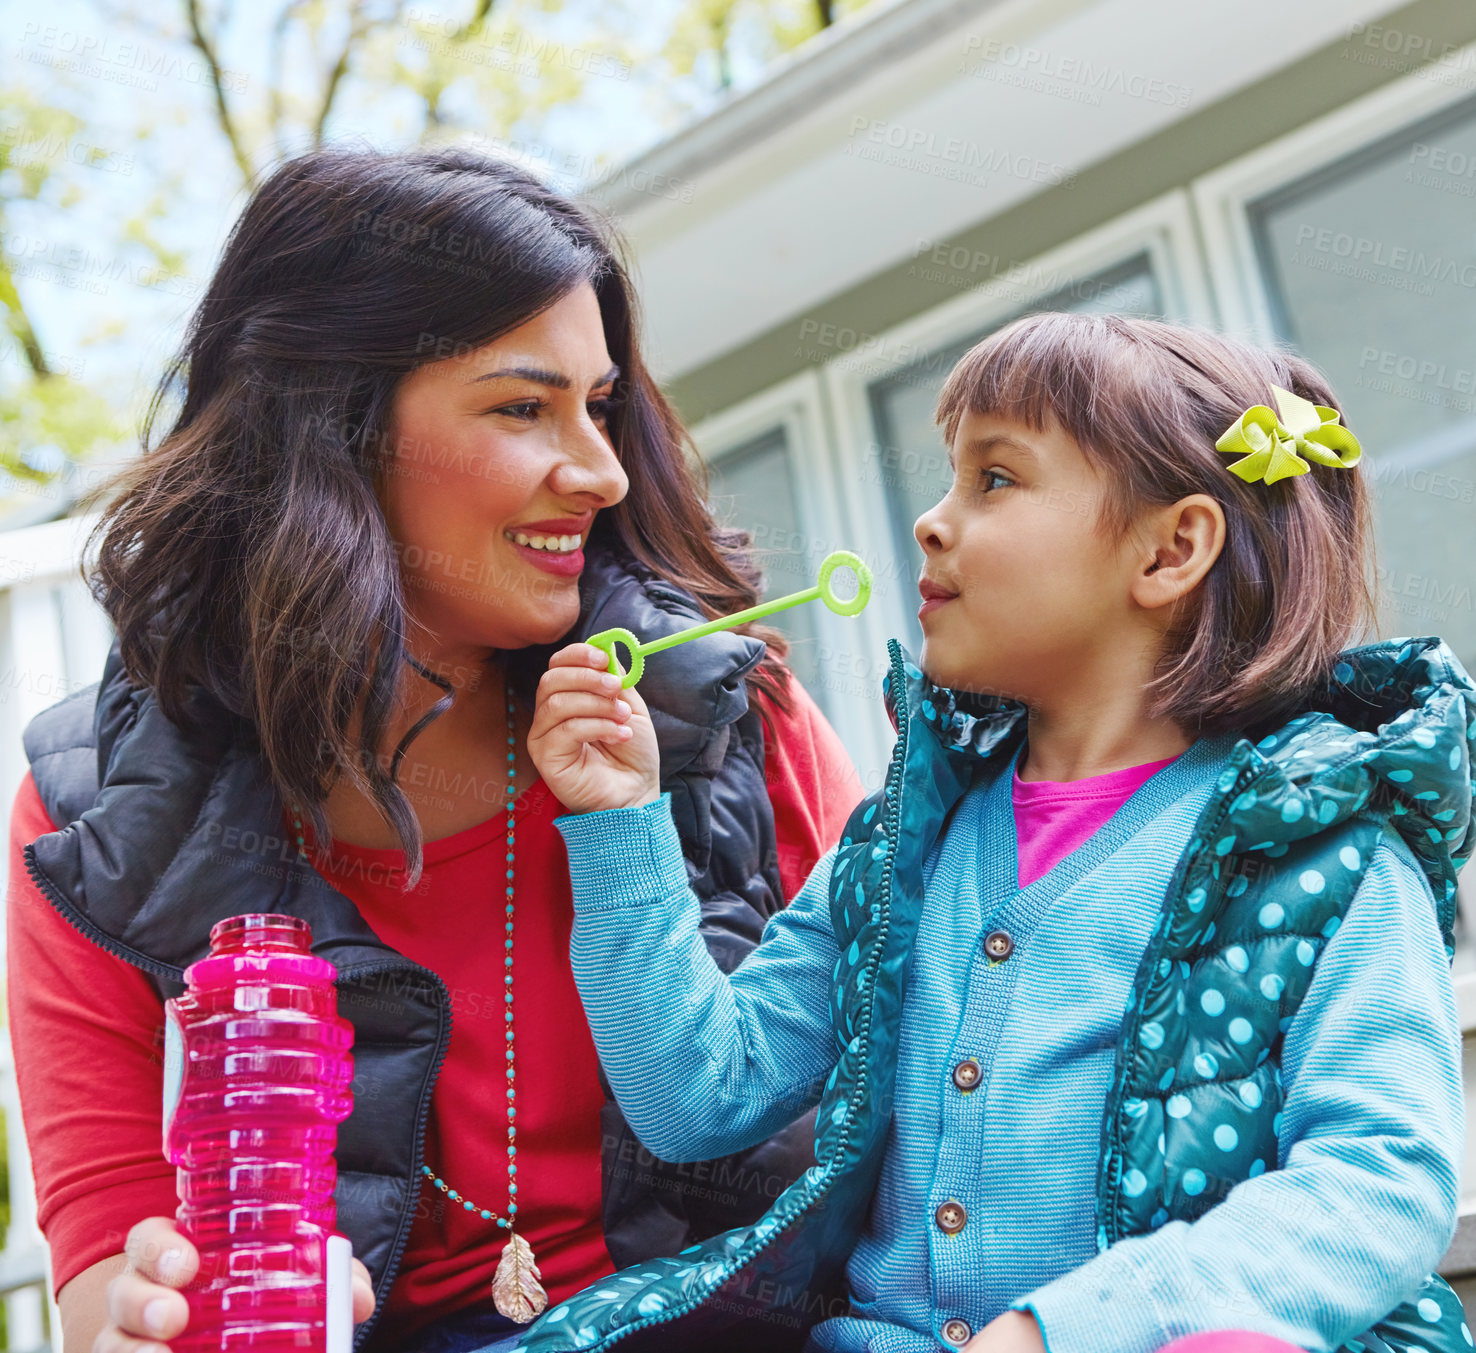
{"type": "Point", "coordinates": [561, 565]}
{"type": "Point", "coordinates": [931, 604]}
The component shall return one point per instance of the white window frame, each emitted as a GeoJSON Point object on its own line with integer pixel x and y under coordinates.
{"type": "Point", "coordinates": [796, 407]}
{"type": "Point", "coordinates": [1163, 228]}
{"type": "Point", "coordinates": [1222, 198]}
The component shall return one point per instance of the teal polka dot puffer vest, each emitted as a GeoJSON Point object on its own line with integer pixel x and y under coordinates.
{"type": "Point", "coordinates": [1195, 1103]}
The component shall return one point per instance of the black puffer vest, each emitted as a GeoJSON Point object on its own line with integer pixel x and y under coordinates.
{"type": "Point", "coordinates": [163, 834]}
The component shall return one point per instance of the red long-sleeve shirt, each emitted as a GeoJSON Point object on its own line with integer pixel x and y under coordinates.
{"type": "Point", "coordinates": [87, 1030]}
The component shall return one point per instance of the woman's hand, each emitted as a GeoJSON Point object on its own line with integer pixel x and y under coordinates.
{"type": "Point", "coordinates": [143, 1303]}
{"type": "Point", "coordinates": [592, 742]}
{"type": "Point", "coordinates": [1012, 1332]}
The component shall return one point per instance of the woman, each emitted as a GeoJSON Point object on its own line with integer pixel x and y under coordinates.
{"type": "Point", "coordinates": [418, 450]}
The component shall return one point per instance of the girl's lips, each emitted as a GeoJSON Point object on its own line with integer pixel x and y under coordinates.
{"type": "Point", "coordinates": [561, 565]}
{"type": "Point", "coordinates": [932, 604]}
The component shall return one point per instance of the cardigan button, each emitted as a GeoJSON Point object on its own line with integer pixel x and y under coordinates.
{"type": "Point", "coordinates": [957, 1332]}
{"type": "Point", "coordinates": [951, 1217]}
{"type": "Point", "coordinates": [998, 945]}
{"type": "Point", "coordinates": [966, 1074]}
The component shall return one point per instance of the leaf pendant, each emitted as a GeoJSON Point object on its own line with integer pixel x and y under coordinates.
{"type": "Point", "coordinates": [515, 1288]}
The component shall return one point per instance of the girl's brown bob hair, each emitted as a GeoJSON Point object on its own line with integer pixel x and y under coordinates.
{"type": "Point", "coordinates": [1146, 401]}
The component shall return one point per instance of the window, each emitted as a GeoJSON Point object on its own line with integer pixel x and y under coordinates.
{"type": "Point", "coordinates": [1370, 266]}
{"type": "Point", "coordinates": [752, 488]}
{"type": "Point", "coordinates": [912, 462]}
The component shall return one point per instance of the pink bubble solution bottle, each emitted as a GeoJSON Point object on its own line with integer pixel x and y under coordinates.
{"type": "Point", "coordinates": [256, 1081]}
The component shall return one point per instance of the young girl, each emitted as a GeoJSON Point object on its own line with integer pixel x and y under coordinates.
{"type": "Point", "coordinates": [1127, 1002]}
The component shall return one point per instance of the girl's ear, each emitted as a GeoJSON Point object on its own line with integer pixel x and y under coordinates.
{"type": "Point", "coordinates": [1186, 538]}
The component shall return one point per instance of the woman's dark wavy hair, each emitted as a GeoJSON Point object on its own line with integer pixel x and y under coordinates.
{"type": "Point", "coordinates": [1146, 401]}
{"type": "Point", "coordinates": [247, 553]}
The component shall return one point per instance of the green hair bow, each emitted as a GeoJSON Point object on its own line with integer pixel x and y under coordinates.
{"type": "Point", "coordinates": [1268, 445]}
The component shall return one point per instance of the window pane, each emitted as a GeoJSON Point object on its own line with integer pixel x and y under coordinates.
{"type": "Point", "coordinates": [752, 488]}
{"type": "Point", "coordinates": [1371, 264]}
{"type": "Point", "coordinates": [910, 462]}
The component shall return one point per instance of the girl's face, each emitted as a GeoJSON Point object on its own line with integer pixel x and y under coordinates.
{"type": "Point", "coordinates": [1021, 595]}
{"type": "Point", "coordinates": [502, 458]}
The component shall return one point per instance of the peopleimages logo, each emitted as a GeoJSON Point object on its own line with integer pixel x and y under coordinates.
{"type": "Point", "coordinates": [511, 48]}
{"type": "Point", "coordinates": [28, 147]}
{"type": "Point", "coordinates": [1077, 78]}
{"type": "Point", "coordinates": [946, 156]}
{"type": "Point", "coordinates": [74, 265]}
{"type": "Point", "coordinates": [1441, 168]}
{"type": "Point", "coordinates": [1362, 258]}
{"type": "Point", "coordinates": [102, 56]}
{"type": "Point", "coordinates": [1462, 380]}
{"type": "Point", "coordinates": [1382, 254]}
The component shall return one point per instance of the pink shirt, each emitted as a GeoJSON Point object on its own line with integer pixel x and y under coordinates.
{"type": "Point", "coordinates": [1054, 817]}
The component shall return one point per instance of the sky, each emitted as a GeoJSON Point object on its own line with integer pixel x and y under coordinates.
{"type": "Point", "coordinates": [102, 309]}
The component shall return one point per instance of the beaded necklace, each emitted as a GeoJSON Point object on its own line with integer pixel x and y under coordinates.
{"type": "Point", "coordinates": [516, 1291]}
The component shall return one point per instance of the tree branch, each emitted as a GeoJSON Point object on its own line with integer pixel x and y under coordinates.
{"type": "Point", "coordinates": [275, 66]}
{"type": "Point", "coordinates": [206, 49]}
{"type": "Point", "coordinates": [431, 90]}
{"type": "Point", "coordinates": [474, 24]}
{"type": "Point", "coordinates": [358, 27]}
{"type": "Point", "coordinates": [19, 323]}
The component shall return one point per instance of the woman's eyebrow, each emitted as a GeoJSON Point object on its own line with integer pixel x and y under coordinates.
{"type": "Point", "coordinates": [557, 380]}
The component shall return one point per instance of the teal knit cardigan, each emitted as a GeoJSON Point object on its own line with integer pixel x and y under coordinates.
{"type": "Point", "coordinates": [1276, 857]}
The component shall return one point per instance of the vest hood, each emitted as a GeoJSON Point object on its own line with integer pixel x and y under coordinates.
{"type": "Point", "coordinates": [1393, 731]}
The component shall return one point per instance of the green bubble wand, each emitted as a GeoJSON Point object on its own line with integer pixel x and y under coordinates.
{"type": "Point", "coordinates": [607, 640]}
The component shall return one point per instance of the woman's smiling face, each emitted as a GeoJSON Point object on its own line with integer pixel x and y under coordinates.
{"type": "Point", "coordinates": [502, 458]}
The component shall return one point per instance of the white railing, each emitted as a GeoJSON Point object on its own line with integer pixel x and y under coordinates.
{"type": "Point", "coordinates": [53, 640]}
{"type": "Point", "coordinates": [25, 1274]}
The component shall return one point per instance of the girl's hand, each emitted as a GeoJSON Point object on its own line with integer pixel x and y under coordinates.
{"type": "Point", "coordinates": [144, 1303]}
{"type": "Point", "coordinates": [1012, 1332]}
{"type": "Point", "coordinates": [592, 742]}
